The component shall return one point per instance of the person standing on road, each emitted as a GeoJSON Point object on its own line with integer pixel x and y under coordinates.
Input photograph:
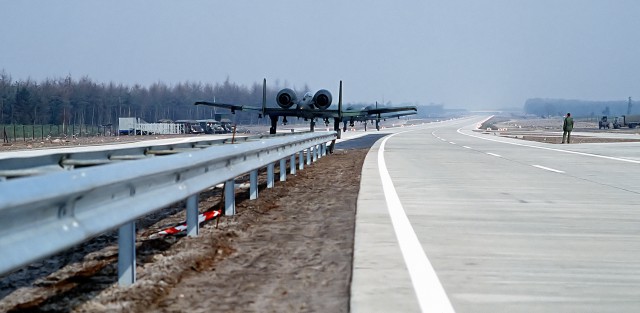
{"type": "Point", "coordinates": [567, 127]}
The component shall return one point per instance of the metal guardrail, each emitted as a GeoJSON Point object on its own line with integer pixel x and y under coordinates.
{"type": "Point", "coordinates": [54, 161]}
{"type": "Point", "coordinates": [45, 214]}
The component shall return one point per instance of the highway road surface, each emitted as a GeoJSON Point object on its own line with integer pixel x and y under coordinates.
{"type": "Point", "coordinates": [454, 220]}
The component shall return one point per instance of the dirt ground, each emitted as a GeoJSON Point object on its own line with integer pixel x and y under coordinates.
{"type": "Point", "coordinates": [289, 251]}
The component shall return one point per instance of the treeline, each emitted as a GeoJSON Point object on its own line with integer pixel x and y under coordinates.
{"type": "Point", "coordinates": [578, 108]}
{"type": "Point", "coordinates": [67, 101]}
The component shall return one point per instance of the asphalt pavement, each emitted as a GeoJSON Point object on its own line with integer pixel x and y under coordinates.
{"type": "Point", "coordinates": [450, 219]}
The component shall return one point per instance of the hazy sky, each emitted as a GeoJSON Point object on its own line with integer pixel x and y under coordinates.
{"type": "Point", "coordinates": [474, 53]}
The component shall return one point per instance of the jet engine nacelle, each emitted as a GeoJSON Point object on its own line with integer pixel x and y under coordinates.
{"type": "Point", "coordinates": [286, 98]}
{"type": "Point", "coordinates": [322, 99]}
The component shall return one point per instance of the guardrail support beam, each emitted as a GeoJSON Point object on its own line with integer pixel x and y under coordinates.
{"type": "Point", "coordinates": [309, 156]}
{"type": "Point", "coordinates": [283, 169]}
{"type": "Point", "coordinates": [193, 227]}
{"type": "Point", "coordinates": [292, 163]}
{"type": "Point", "coordinates": [253, 185]}
{"type": "Point", "coordinates": [270, 175]}
{"type": "Point", "coordinates": [127, 254]}
{"type": "Point", "coordinates": [229, 197]}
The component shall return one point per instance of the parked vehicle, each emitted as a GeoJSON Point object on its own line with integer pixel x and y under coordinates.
{"type": "Point", "coordinates": [190, 127]}
{"type": "Point", "coordinates": [631, 121]}
{"type": "Point", "coordinates": [605, 123]}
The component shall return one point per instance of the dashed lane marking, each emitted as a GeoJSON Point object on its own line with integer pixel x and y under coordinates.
{"type": "Point", "coordinates": [552, 149]}
{"type": "Point", "coordinates": [548, 168]}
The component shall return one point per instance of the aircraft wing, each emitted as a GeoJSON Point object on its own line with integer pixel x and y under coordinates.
{"type": "Point", "coordinates": [303, 113]}
{"type": "Point", "coordinates": [406, 110]}
{"type": "Point", "coordinates": [232, 107]}
{"type": "Point", "coordinates": [383, 115]}
{"type": "Point", "coordinates": [392, 109]}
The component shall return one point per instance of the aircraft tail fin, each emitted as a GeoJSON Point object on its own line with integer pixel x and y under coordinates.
{"type": "Point", "coordinates": [264, 97]}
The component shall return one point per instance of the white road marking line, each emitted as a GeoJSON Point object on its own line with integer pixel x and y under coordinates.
{"type": "Point", "coordinates": [451, 142]}
{"type": "Point", "coordinates": [429, 291]}
{"type": "Point", "coordinates": [552, 149]}
{"type": "Point", "coordinates": [466, 147]}
{"type": "Point", "coordinates": [495, 155]}
{"type": "Point", "coordinates": [548, 168]}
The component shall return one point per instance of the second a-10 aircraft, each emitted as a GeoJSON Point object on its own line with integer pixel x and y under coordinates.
{"type": "Point", "coordinates": [314, 106]}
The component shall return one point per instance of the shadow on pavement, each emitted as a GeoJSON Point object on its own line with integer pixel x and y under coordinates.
{"type": "Point", "coordinates": [360, 143]}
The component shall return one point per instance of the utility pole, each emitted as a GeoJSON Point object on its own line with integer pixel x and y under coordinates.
{"type": "Point", "coordinates": [629, 107]}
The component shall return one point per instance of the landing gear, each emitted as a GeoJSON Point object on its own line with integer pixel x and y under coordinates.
{"type": "Point", "coordinates": [336, 126]}
{"type": "Point", "coordinates": [274, 125]}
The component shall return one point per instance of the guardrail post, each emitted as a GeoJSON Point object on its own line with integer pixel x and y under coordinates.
{"type": "Point", "coordinates": [270, 178]}
{"type": "Point", "coordinates": [315, 153]}
{"type": "Point", "coordinates": [193, 227]}
{"type": "Point", "coordinates": [320, 151]}
{"type": "Point", "coordinates": [283, 169]}
{"type": "Point", "coordinates": [301, 166]}
{"type": "Point", "coordinates": [253, 185]}
{"type": "Point", "coordinates": [292, 162]}
{"type": "Point", "coordinates": [127, 254]}
{"type": "Point", "coordinates": [229, 197]}
{"type": "Point", "coordinates": [309, 156]}
{"type": "Point", "coordinates": [324, 149]}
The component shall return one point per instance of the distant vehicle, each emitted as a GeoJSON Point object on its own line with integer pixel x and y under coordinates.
{"type": "Point", "coordinates": [631, 121]}
{"type": "Point", "coordinates": [213, 127]}
{"type": "Point", "coordinates": [190, 127]}
{"type": "Point", "coordinates": [604, 123]}
{"type": "Point", "coordinates": [126, 125]}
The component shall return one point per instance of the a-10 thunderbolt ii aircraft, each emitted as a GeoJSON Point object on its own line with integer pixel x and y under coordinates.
{"type": "Point", "coordinates": [313, 106]}
{"type": "Point", "coordinates": [374, 116]}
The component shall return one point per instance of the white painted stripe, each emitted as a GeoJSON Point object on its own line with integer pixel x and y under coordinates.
{"type": "Point", "coordinates": [429, 291]}
{"type": "Point", "coordinates": [466, 147]}
{"type": "Point", "coordinates": [547, 168]}
{"type": "Point", "coordinates": [451, 142]}
{"type": "Point", "coordinates": [495, 155]}
{"type": "Point", "coordinates": [552, 149]}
